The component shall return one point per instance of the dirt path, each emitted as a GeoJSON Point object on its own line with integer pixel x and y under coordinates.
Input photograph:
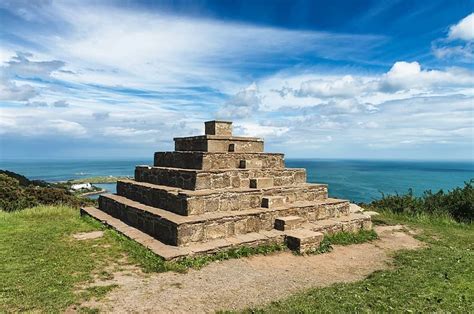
{"type": "Point", "coordinates": [240, 283]}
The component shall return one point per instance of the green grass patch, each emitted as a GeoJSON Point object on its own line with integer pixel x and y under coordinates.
{"type": "Point", "coordinates": [434, 279]}
{"type": "Point", "coordinates": [347, 238]}
{"type": "Point", "coordinates": [42, 267]}
{"type": "Point", "coordinates": [41, 264]}
{"type": "Point", "coordinates": [343, 238]}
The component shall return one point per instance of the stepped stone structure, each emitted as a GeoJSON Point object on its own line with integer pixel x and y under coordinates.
{"type": "Point", "coordinates": [218, 191]}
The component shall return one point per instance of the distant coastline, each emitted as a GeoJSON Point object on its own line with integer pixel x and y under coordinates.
{"type": "Point", "coordinates": [356, 180]}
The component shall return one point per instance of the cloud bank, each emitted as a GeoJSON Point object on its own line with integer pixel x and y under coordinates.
{"type": "Point", "coordinates": [104, 76]}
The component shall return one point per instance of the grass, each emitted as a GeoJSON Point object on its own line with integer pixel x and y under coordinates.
{"type": "Point", "coordinates": [41, 264]}
{"type": "Point", "coordinates": [435, 279]}
{"type": "Point", "coordinates": [42, 268]}
{"type": "Point", "coordinates": [343, 238]}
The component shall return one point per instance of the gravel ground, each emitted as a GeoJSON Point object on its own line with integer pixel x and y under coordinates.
{"type": "Point", "coordinates": [240, 283]}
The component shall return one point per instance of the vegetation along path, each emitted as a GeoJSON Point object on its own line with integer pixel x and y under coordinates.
{"type": "Point", "coordinates": [240, 283]}
{"type": "Point", "coordinates": [52, 260]}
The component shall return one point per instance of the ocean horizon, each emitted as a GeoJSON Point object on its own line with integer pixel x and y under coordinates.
{"type": "Point", "coordinates": [356, 180]}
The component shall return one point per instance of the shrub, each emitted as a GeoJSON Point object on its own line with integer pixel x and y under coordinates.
{"type": "Point", "coordinates": [458, 203]}
{"type": "Point", "coordinates": [14, 196]}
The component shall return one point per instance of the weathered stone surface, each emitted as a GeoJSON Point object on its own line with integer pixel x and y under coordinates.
{"type": "Point", "coordinates": [215, 161]}
{"type": "Point", "coordinates": [302, 240]}
{"type": "Point", "coordinates": [261, 183]}
{"type": "Point", "coordinates": [223, 128]}
{"type": "Point", "coordinates": [170, 252]}
{"type": "Point", "coordinates": [288, 223]}
{"type": "Point", "coordinates": [199, 202]}
{"type": "Point", "coordinates": [217, 191]}
{"type": "Point", "coordinates": [273, 201]}
{"type": "Point", "coordinates": [175, 229]}
{"type": "Point", "coordinates": [191, 179]}
{"type": "Point", "coordinates": [220, 144]}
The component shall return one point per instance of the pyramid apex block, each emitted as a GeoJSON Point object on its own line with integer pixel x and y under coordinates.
{"type": "Point", "coordinates": [215, 127]}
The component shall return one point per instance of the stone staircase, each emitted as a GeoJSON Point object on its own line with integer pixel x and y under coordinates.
{"type": "Point", "coordinates": [217, 191]}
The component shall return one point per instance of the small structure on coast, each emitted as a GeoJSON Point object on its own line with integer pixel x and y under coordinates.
{"type": "Point", "coordinates": [217, 191]}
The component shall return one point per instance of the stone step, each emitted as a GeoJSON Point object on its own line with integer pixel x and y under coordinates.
{"type": "Point", "coordinates": [170, 252]}
{"type": "Point", "coordinates": [288, 223]}
{"type": "Point", "coordinates": [192, 179]}
{"type": "Point", "coordinates": [174, 229]}
{"type": "Point", "coordinates": [218, 143]}
{"type": "Point", "coordinates": [347, 223]}
{"type": "Point", "coordinates": [303, 240]}
{"type": "Point", "coordinates": [273, 201]}
{"type": "Point", "coordinates": [261, 183]}
{"type": "Point", "coordinates": [208, 160]}
{"type": "Point", "coordinates": [185, 202]}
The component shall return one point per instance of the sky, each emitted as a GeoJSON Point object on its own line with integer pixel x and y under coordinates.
{"type": "Point", "coordinates": [316, 79]}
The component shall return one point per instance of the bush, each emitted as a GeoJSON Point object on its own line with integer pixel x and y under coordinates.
{"type": "Point", "coordinates": [24, 181]}
{"type": "Point", "coordinates": [458, 203]}
{"type": "Point", "coordinates": [14, 196]}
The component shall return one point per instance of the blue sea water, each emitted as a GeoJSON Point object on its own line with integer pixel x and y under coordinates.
{"type": "Point", "coordinates": [356, 180]}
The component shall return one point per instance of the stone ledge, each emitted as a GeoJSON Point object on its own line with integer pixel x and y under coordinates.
{"type": "Point", "coordinates": [186, 202]}
{"type": "Point", "coordinates": [220, 137]}
{"type": "Point", "coordinates": [213, 160]}
{"type": "Point", "coordinates": [180, 219]}
{"type": "Point", "coordinates": [204, 192]}
{"type": "Point", "coordinates": [196, 179]}
{"type": "Point", "coordinates": [170, 252]}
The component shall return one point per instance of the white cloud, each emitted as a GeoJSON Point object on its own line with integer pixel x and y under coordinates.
{"type": "Point", "coordinates": [346, 86]}
{"type": "Point", "coordinates": [463, 30]}
{"type": "Point", "coordinates": [154, 76]}
{"type": "Point", "coordinates": [409, 75]}
{"type": "Point", "coordinates": [258, 130]}
{"type": "Point", "coordinates": [459, 43]}
{"type": "Point", "coordinates": [360, 93]}
{"type": "Point", "coordinates": [30, 127]}
{"type": "Point", "coordinates": [11, 91]}
{"type": "Point", "coordinates": [19, 68]}
{"type": "Point", "coordinates": [243, 104]}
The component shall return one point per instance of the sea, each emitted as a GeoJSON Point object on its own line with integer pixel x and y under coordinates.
{"type": "Point", "coordinates": [355, 180]}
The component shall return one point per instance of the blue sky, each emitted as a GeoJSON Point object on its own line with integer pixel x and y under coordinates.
{"type": "Point", "coordinates": [322, 79]}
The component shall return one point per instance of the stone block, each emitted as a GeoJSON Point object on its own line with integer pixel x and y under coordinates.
{"type": "Point", "coordinates": [288, 223]}
{"type": "Point", "coordinates": [251, 164]}
{"type": "Point", "coordinates": [218, 144]}
{"type": "Point", "coordinates": [215, 127]}
{"type": "Point", "coordinates": [260, 183]}
{"type": "Point", "coordinates": [214, 161]}
{"type": "Point", "coordinates": [303, 240]}
{"type": "Point", "coordinates": [273, 201]}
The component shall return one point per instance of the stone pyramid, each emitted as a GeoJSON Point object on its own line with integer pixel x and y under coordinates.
{"type": "Point", "coordinates": [218, 191]}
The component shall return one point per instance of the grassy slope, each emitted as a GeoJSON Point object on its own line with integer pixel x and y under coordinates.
{"type": "Point", "coordinates": [42, 267]}
{"type": "Point", "coordinates": [438, 278]}
{"type": "Point", "coordinates": [40, 262]}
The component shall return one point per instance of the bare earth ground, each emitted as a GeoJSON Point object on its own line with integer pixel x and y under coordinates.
{"type": "Point", "coordinates": [245, 282]}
